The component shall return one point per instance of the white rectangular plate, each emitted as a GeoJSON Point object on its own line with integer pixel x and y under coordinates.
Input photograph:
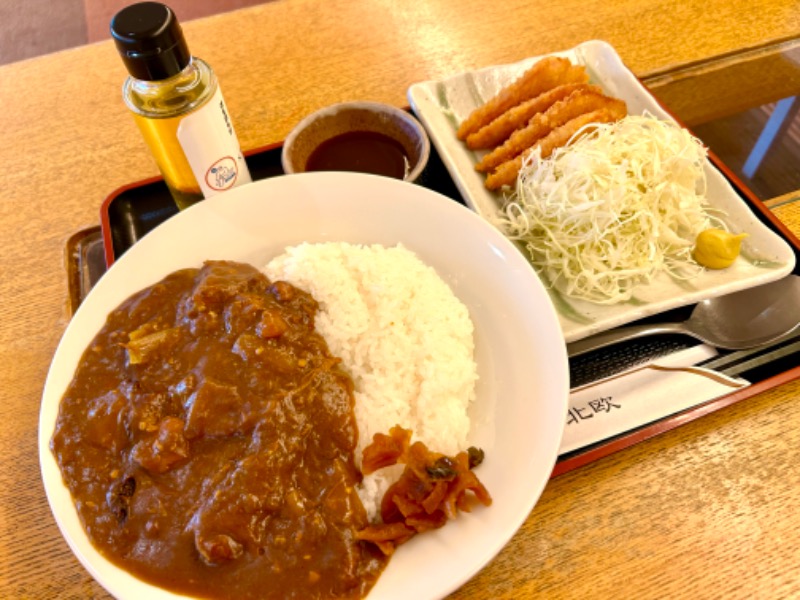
{"type": "Point", "coordinates": [442, 105]}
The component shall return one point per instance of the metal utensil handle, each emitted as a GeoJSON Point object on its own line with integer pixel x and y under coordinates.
{"type": "Point", "coordinates": [608, 338]}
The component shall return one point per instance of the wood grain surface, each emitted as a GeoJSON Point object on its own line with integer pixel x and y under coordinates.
{"type": "Point", "coordinates": [704, 511]}
{"type": "Point", "coordinates": [721, 87]}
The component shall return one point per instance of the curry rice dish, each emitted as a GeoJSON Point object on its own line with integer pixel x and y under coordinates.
{"type": "Point", "coordinates": [208, 440]}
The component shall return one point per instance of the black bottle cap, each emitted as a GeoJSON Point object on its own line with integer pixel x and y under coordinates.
{"type": "Point", "coordinates": [150, 41]}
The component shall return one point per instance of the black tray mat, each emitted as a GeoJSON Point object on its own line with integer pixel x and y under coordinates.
{"type": "Point", "coordinates": [132, 211]}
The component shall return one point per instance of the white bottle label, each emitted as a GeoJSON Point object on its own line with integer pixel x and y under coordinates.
{"type": "Point", "coordinates": [212, 149]}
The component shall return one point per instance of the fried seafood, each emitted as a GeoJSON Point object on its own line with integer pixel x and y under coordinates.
{"type": "Point", "coordinates": [542, 76]}
{"type": "Point", "coordinates": [542, 109]}
{"type": "Point", "coordinates": [506, 173]}
{"type": "Point", "coordinates": [430, 491]}
{"type": "Point", "coordinates": [579, 102]}
{"type": "Point", "coordinates": [518, 116]}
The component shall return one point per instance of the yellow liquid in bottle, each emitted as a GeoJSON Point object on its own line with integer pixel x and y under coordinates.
{"type": "Point", "coordinates": [161, 136]}
{"type": "Point", "coordinates": [158, 108]}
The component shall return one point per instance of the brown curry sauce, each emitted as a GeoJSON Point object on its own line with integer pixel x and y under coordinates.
{"type": "Point", "coordinates": [207, 440]}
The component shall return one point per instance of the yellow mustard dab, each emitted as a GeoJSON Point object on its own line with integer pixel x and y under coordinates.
{"type": "Point", "coordinates": [717, 249]}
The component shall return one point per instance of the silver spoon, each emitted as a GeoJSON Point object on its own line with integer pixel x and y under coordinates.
{"type": "Point", "coordinates": [745, 319]}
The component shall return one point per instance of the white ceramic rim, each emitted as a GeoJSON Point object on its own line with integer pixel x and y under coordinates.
{"type": "Point", "coordinates": [519, 347]}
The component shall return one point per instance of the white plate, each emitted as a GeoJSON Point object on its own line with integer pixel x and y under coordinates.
{"type": "Point", "coordinates": [521, 404]}
{"type": "Point", "coordinates": [442, 105]}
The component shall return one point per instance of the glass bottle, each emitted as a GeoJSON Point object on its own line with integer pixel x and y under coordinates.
{"type": "Point", "coordinates": [177, 104]}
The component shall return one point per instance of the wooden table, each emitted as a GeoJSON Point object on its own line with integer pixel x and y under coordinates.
{"type": "Point", "coordinates": [708, 510]}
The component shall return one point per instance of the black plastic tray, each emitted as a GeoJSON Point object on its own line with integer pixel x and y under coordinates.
{"type": "Point", "coordinates": [133, 210]}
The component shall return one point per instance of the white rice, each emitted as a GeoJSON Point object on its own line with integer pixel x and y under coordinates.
{"type": "Point", "coordinates": [403, 336]}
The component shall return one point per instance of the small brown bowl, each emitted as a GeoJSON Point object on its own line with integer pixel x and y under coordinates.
{"type": "Point", "coordinates": [351, 117]}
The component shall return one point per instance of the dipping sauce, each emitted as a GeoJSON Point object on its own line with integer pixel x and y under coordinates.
{"type": "Point", "coordinates": [362, 151]}
{"type": "Point", "coordinates": [208, 439]}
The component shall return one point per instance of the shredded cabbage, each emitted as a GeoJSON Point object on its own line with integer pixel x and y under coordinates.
{"type": "Point", "coordinates": [609, 211]}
